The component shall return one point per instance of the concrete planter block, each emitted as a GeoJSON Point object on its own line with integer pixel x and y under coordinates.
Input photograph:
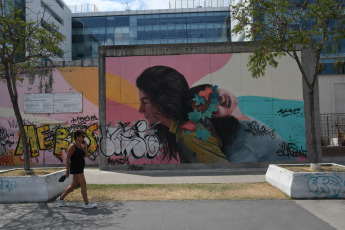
{"type": "Point", "coordinates": [307, 185]}
{"type": "Point", "coordinates": [20, 189]}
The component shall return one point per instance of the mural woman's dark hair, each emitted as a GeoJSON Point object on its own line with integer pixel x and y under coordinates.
{"type": "Point", "coordinates": [165, 87]}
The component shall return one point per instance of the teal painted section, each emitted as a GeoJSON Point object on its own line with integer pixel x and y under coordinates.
{"type": "Point", "coordinates": [286, 117]}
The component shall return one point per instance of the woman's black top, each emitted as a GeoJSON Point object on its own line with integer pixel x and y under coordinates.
{"type": "Point", "coordinates": [77, 161]}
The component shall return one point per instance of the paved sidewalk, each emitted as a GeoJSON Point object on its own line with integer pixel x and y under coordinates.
{"type": "Point", "coordinates": [166, 215]}
{"type": "Point", "coordinates": [176, 215]}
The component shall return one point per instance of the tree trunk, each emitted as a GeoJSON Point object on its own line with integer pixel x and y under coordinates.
{"type": "Point", "coordinates": [22, 134]}
{"type": "Point", "coordinates": [311, 106]}
{"type": "Point", "coordinates": [11, 87]}
{"type": "Point", "coordinates": [315, 156]}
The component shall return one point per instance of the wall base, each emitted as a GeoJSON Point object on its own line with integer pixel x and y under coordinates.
{"type": "Point", "coordinates": [21, 189]}
{"type": "Point", "coordinates": [307, 185]}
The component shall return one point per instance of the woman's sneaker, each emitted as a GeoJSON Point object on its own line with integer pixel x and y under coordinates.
{"type": "Point", "coordinates": [90, 205]}
{"type": "Point", "coordinates": [61, 202]}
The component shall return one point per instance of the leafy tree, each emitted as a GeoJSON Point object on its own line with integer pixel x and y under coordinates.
{"type": "Point", "coordinates": [23, 45]}
{"type": "Point", "coordinates": [282, 27]}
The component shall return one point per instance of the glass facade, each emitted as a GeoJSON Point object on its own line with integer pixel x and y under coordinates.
{"type": "Point", "coordinates": [333, 63]}
{"type": "Point", "coordinates": [90, 32]}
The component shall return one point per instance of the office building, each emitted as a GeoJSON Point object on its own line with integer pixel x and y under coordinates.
{"type": "Point", "coordinates": [193, 25]}
{"type": "Point", "coordinates": [55, 11]}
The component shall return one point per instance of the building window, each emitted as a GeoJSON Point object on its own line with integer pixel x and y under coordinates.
{"type": "Point", "coordinates": [60, 4]}
{"type": "Point", "coordinates": [90, 32]}
{"type": "Point", "coordinates": [51, 12]}
{"type": "Point", "coordinates": [48, 27]}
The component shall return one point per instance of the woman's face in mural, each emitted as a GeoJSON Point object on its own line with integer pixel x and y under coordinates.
{"type": "Point", "coordinates": [147, 109]}
{"type": "Point", "coordinates": [227, 103]}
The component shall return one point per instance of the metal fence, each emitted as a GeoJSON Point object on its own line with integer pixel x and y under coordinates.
{"type": "Point", "coordinates": [332, 129]}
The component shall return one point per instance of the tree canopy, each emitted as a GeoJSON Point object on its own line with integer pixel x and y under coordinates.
{"type": "Point", "coordinates": [283, 27]}
{"type": "Point", "coordinates": [280, 25]}
{"type": "Point", "coordinates": [23, 45]}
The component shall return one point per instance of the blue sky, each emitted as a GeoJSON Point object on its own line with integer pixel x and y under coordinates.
{"type": "Point", "coordinates": [120, 5]}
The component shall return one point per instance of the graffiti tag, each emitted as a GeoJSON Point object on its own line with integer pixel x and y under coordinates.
{"type": "Point", "coordinates": [291, 150]}
{"type": "Point", "coordinates": [256, 130]}
{"type": "Point", "coordinates": [289, 112]}
{"type": "Point", "coordinates": [323, 184]}
{"type": "Point", "coordinates": [118, 161]}
{"type": "Point", "coordinates": [3, 142]}
{"type": "Point", "coordinates": [135, 167]}
{"type": "Point", "coordinates": [6, 186]}
{"type": "Point", "coordinates": [81, 122]}
{"type": "Point", "coordinates": [125, 140]}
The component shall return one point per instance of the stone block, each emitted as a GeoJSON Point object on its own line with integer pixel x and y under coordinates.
{"type": "Point", "coordinates": [307, 185]}
{"type": "Point", "coordinates": [33, 188]}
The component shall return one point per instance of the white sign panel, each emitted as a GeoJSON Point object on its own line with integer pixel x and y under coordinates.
{"type": "Point", "coordinates": [38, 103]}
{"type": "Point", "coordinates": [68, 102]}
{"type": "Point", "coordinates": [53, 103]}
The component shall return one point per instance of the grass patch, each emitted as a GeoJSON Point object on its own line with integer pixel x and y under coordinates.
{"type": "Point", "coordinates": [37, 172]}
{"type": "Point", "coordinates": [156, 192]}
{"type": "Point", "coordinates": [324, 168]}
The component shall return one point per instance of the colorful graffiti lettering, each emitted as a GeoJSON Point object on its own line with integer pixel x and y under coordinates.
{"type": "Point", "coordinates": [323, 184]}
{"type": "Point", "coordinates": [125, 140]}
{"type": "Point", "coordinates": [291, 150]}
{"type": "Point", "coordinates": [61, 143]}
{"type": "Point", "coordinates": [6, 186]}
{"type": "Point", "coordinates": [90, 131]}
{"type": "Point", "coordinates": [56, 138]}
{"type": "Point", "coordinates": [43, 135]}
{"type": "Point", "coordinates": [31, 140]}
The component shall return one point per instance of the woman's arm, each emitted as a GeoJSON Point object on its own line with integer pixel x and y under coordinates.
{"type": "Point", "coordinates": [85, 149]}
{"type": "Point", "coordinates": [70, 152]}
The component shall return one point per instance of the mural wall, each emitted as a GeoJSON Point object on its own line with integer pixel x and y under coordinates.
{"type": "Point", "coordinates": [270, 109]}
{"type": "Point", "coordinates": [49, 134]}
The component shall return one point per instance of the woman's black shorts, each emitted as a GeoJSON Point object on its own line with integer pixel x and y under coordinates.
{"type": "Point", "coordinates": [77, 168]}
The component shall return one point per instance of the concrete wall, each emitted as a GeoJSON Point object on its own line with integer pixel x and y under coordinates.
{"type": "Point", "coordinates": [50, 134]}
{"type": "Point", "coordinates": [109, 98]}
{"type": "Point", "coordinates": [330, 102]}
{"type": "Point", "coordinates": [274, 102]}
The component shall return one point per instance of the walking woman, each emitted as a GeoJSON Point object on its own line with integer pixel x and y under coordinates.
{"type": "Point", "coordinates": [75, 164]}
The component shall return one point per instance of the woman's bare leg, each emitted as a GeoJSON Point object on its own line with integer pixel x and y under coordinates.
{"type": "Point", "coordinates": [81, 180]}
{"type": "Point", "coordinates": [70, 188]}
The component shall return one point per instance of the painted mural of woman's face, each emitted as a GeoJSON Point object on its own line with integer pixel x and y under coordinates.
{"type": "Point", "coordinates": [227, 103]}
{"type": "Point", "coordinates": [147, 109]}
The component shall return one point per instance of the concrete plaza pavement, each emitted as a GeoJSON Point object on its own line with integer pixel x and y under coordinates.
{"type": "Point", "coordinates": [175, 215]}
{"type": "Point", "coordinates": [228, 175]}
